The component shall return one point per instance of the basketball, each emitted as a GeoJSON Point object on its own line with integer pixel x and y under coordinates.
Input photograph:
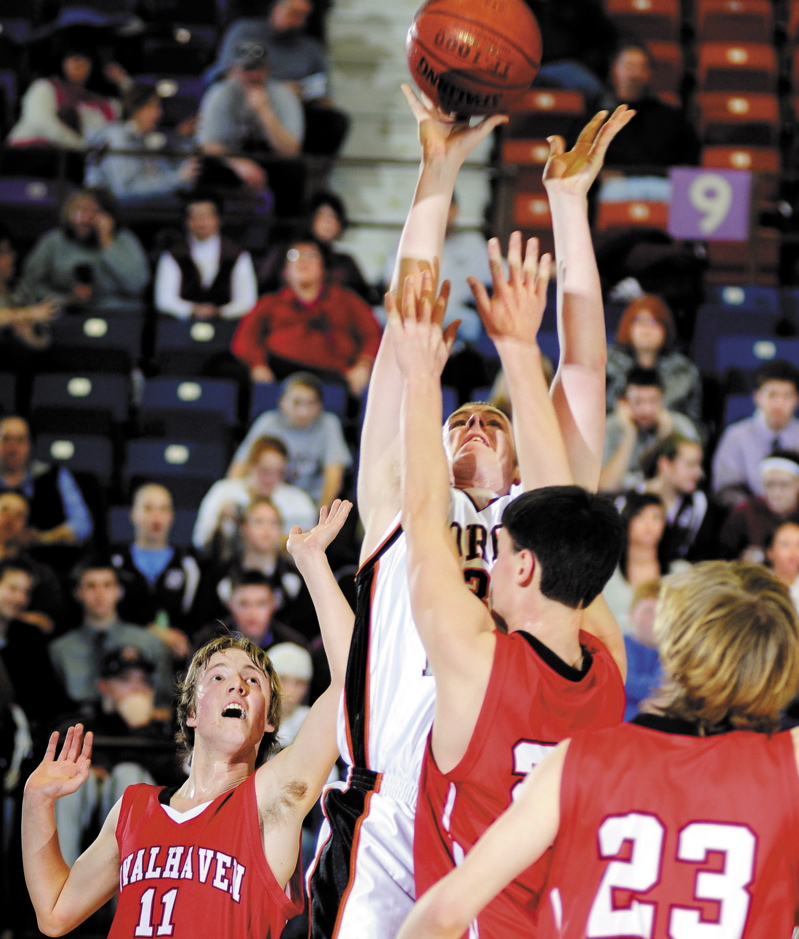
{"type": "Point", "coordinates": [474, 56]}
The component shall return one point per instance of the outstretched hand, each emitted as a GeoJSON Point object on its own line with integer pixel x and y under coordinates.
{"type": "Point", "coordinates": [301, 544]}
{"type": "Point", "coordinates": [420, 344]}
{"type": "Point", "coordinates": [443, 138]}
{"type": "Point", "coordinates": [517, 304]}
{"type": "Point", "coordinates": [574, 171]}
{"type": "Point", "coordinates": [60, 776]}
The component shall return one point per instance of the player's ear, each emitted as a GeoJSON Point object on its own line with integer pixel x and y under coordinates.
{"type": "Point", "coordinates": [526, 564]}
{"type": "Point", "coordinates": [191, 718]}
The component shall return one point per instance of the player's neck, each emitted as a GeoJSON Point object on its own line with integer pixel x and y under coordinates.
{"type": "Point", "coordinates": [555, 625]}
{"type": "Point", "coordinates": [209, 777]}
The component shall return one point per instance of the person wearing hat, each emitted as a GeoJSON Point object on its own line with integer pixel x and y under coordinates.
{"type": "Point", "coordinates": [249, 113]}
{"type": "Point", "coordinates": [746, 531]}
{"type": "Point", "coordinates": [294, 667]}
{"type": "Point", "coordinates": [127, 158]}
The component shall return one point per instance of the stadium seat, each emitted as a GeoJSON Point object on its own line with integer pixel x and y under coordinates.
{"type": "Point", "coordinates": [765, 162]}
{"type": "Point", "coordinates": [755, 261]}
{"type": "Point", "coordinates": [96, 342]}
{"type": "Point", "coordinates": [632, 213]}
{"type": "Point", "coordinates": [736, 408]}
{"type": "Point", "coordinates": [90, 402]}
{"type": "Point", "coordinates": [667, 70]}
{"type": "Point", "coordinates": [190, 347]}
{"type": "Point", "coordinates": [734, 21]}
{"type": "Point", "coordinates": [187, 468]}
{"type": "Point", "coordinates": [182, 49]}
{"type": "Point", "coordinates": [748, 299]}
{"type": "Point", "coordinates": [179, 95]}
{"type": "Point", "coordinates": [527, 151]}
{"type": "Point", "coordinates": [8, 393]}
{"type": "Point", "coordinates": [747, 353]}
{"type": "Point", "coordinates": [646, 19]}
{"type": "Point", "coordinates": [530, 213]}
{"type": "Point", "coordinates": [742, 66]}
{"type": "Point", "coordinates": [731, 118]}
{"type": "Point", "coordinates": [193, 407]}
{"type": "Point", "coordinates": [716, 320]}
{"type": "Point", "coordinates": [545, 111]}
{"type": "Point", "coordinates": [29, 206]}
{"type": "Point", "coordinates": [80, 453]}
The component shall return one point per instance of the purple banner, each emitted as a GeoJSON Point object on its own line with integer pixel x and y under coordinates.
{"type": "Point", "coordinates": [710, 204]}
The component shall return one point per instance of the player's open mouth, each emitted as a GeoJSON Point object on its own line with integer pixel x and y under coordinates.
{"type": "Point", "coordinates": [233, 710]}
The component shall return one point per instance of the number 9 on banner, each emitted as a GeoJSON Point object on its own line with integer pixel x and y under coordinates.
{"type": "Point", "coordinates": [710, 205]}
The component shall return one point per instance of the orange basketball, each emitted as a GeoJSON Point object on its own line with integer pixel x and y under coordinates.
{"type": "Point", "coordinates": [474, 56]}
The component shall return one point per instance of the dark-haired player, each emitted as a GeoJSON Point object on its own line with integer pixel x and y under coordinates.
{"type": "Point", "coordinates": [217, 856]}
{"type": "Point", "coordinates": [502, 699]}
{"type": "Point", "coordinates": [677, 826]}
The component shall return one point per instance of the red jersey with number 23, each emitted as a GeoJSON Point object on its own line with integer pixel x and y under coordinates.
{"type": "Point", "coordinates": [533, 701]}
{"type": "Point", "coordinates": [205, 875]}
{"type": "Point", "coordinates": [669, 836]}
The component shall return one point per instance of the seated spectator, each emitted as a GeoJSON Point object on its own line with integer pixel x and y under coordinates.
{"type": "Point", "coordinates": [23, 322]}
{"type": "Point", "coordinates": [125, 709]}
{"type": "Point", "coordinates": [645, 337]}
{"type": "Point", "coordinates": [318, 454]}
{"type": "Point", "coordinates": [251, 610]}
{"type": "Point", "coordinates": [37, 689]}
{"type": "Point", "coordinates": [88, 261]}
{"type": "Point", "coordinates": [249, 113]}
{"type": "Point", "coordinates": [639, 420]}
{"type": "Point", "coordinates": [641, 558]}
{"type": "Point", "coordinates": [79, 654]}
{"type": "Point", "coordinates": [736, 462]}
{"type": "Point", "coordinates": [204, 274]}
{"type": "Point", "coordinates": [58, 512]}
{"type": "Point", "coordinates": [223, 504]}
{"type": "Point", "coordinates": [126, 160]}
{"type": "Point", "coordinates": [60, 112]}
{"type": "Point", "coordinates": [160, 579]}
{"type": "Point", "coordinates": [644, 673]}
{"type": "Point", "coordinates": [660, 135]}
{"type": "Point", "coordinates": [327, 221]}
{"type": "Point", "coordinates": [309, 325]}
{"type": "Point", "coordinates": [294, 57]}
{"type": "Point", "coordinates": [46, 603]}
{"type": "Point", "coordinates": [782, 556]}
{"type": "Point", "coordinates": [746, 531]}
{"type": "Point", "coordinates": [260, 548]}
{"type": "Point", "coordinates": [673, 471]}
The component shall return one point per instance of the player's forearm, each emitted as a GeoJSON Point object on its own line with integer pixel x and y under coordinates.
{"type": "Point", "coordinates": [425, 473]}
{"type": "Point", "coordinates": [539, 444]}
{"type": "Point", "coordinates": [46, 871]}
{"type": "Point", "coordinates": [334, 613]}
{"type": "Point", "coordinates": [613, 472]}
{"type": "Point", "coordinates": [600, 622]}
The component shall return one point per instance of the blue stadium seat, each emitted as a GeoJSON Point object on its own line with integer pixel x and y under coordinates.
{"type": "Point", "coordinates": [194, 407]}
{"type": "Point", "coordinates": [90, 401]}
{"type": "Point", "coordinates": [187, 468]}
{"type": "Point", "coordinates": [80, 453]}
{"type": "Point", "coordinates": [737, 407]}
{"type": "Point", "coordinates": [747, 353]}
{"type": "Point", "coordinates": [97, 342]}
{"type": "Point", "coordinates": [29, 206]}
{"type": "Point", "coordinates": [188, 347]}
{"type": "Point", "coordinates": [715, 321]}
{"type": "Point", "coordinates": [752, 298]}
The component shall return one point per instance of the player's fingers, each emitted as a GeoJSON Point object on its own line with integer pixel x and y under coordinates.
{"type": "Point", "coordinates": [440, 306]}
{"type": "Point", "coordinates": [495, 263]}
{"type": "Point", "coordinates": [543, 275]}
{"type": "Point", "coordinates": [620, 118]}
{"type": "Point", "coordinates": [86, 751]}
{"type": "Point", "coordinates": [557, 145]}
{"type": "Point", "coordinates": [392, 310]}
{"type": "Point", "coordinates": [530, 266]}
{"type": "Point", "coordinates": [52, 746]}
{"type": "Point", "coordinates": [515, 258]}
{"type": "Point", "coordinates": [591, 129]}
{"type": "Point", "coordinates": [489, 124]}
{"type": "Point", "coordinates": [419, 110]}
{"type": "Point", "coordinates": [66, 744]}
{"type": "Point", "coordinates": [450, 334]}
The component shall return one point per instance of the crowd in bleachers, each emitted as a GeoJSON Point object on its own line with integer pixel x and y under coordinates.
{"type": "Point", "coordinates": [185, 350]}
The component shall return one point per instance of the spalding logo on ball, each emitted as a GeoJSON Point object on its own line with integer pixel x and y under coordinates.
{"type": "Point", "coordinates": [474, 56]}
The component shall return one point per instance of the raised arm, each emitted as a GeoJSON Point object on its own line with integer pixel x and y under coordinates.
{"type": "Point", "coordinates": [512, 318]}
{"type": "Point", "coordinates": [516, 840]}
{"type": "Point", "coordinates": [455, 627]}
{"type": "Point", "coordinates": [64, 897]}
{"type": "Point", "coordinates": [578, 390]}
{"type": "Point", "coordinates": [445, 147]}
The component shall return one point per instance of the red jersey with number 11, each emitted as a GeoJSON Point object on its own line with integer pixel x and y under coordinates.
{"type": "Point", "coordinates": [669, 836]}
{"type": "Point", "coordinates": [533, 701]}
{"type": "Point", "coordinates": [195, 874]}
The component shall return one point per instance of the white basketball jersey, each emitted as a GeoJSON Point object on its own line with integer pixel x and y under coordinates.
{"type": "Point", "coordinates": [388, 702]}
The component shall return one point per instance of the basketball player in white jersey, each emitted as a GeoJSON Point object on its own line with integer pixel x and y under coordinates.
{"type": "Point", "coordinates": [362, 881]}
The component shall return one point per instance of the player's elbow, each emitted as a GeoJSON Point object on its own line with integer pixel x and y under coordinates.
{"type": "Point", "coordinates": [442, 918]}
{"type": "Point", "coordinates": [53, 925]}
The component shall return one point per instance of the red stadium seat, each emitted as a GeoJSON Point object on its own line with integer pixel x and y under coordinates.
{"type": "Point", "coordinates": [543, 112]}
{"type": "Point", "coordinates": [742, 66]}
{"type": "Point", "coordinates": [646, 19]}
{"type": "Point", "coordinates": [667, 70]}
{"type": "Point", "coordinates": [735, 21]}
{"type": "Point", "coordinates": [632, 213]}
{"type": "Point", "coordinates": [730, 118]}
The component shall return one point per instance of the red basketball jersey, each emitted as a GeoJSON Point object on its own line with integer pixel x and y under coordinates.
{"type": "Point", "coordinates": [668, 836]}
{"type": "Point", "coordinates": [204, 876]}
{"type": "Point", "coordinates": [533, 701]}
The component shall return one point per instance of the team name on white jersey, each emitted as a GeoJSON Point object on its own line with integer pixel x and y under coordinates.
{"type": "Point", "coordinates": [476, 541]}
{"type": "Point", "coordinates": [180, 862]}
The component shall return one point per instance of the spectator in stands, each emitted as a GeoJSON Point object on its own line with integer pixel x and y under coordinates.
{"type": "Point", "coordinates": [645, 337]}
{"type": "Point", "coordinates": [24, 652]}
{"type": "Point", "coordinates": [294, 57]}
{"type": "Point", "coordinates": [89, 260]}
{"type": "Point", "coordinates": [782, 556]}
{"type": "Point", "coordinates": [160, 579]}
{"type": "Point", "coordinates": [309, 325]}
{"type": "Point", "coordinates": [660, 135]}
{"type": "Point", "coordinates": [204, 274]}
{"type": "Point", "coordinates": [221, 509]}
{"type": "Point", "coordinates": [736, 463]}
{"type": "Point", "coordinates": [639, 421]}
{"type": "Point", "coordinates": [127, 160]}
{"type": "Point", "coordinates": [78, 655]}
{"type": "Point", "coordinates": [746, 531]}
{"type": "Point", "coordinates": [318, 454]}
{"type": "Point", "coordinates": [644, 673]}
{"type": "Point", "coordinates": [327, 221]}
{"type": "Point", "coordinates": [125, 709]}
{"type": "Point", "coordinates": [46, 602]}
{"type": "Point", "coordinates": [58, 512]}
{"type": "Point", "coordinates": [251, 613]}
{"type": "Point", "coordinates": [259, 548]}
{"type": "Point", "coordinates": [23, 322]}
{"type": "Point", "coordinates": [673, 471]}
{"type": "Point", "coordinates": [60, 112]}
{"type": "Point", "coordinates": [250, 113]}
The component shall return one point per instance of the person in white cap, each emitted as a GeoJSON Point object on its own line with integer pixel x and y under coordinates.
{"type": "Point", "coordinates": [294, 667]}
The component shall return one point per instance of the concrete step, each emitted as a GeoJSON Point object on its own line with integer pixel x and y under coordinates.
{"type": "Point", "coordinates": [368, 37]}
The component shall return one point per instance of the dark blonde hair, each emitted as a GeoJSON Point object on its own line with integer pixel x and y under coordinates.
{"type": "Point", "coordinates": [265, 445]}
{"type": "Point", "coordinates": [659, 309]}
{"type": "Point", "coordinates": [187, 689]}
{"type": "Point", "coordinates": [728, 636]}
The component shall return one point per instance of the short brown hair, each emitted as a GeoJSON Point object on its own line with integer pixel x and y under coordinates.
{"type": "Point", "coordinates": [265, 445]}
{"type": "Point", "coordinates": [187, 689]}
{"type": "Point", "coordinates": [659, 309]}
{"type": "Point", "coordinates": [728, 636]}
